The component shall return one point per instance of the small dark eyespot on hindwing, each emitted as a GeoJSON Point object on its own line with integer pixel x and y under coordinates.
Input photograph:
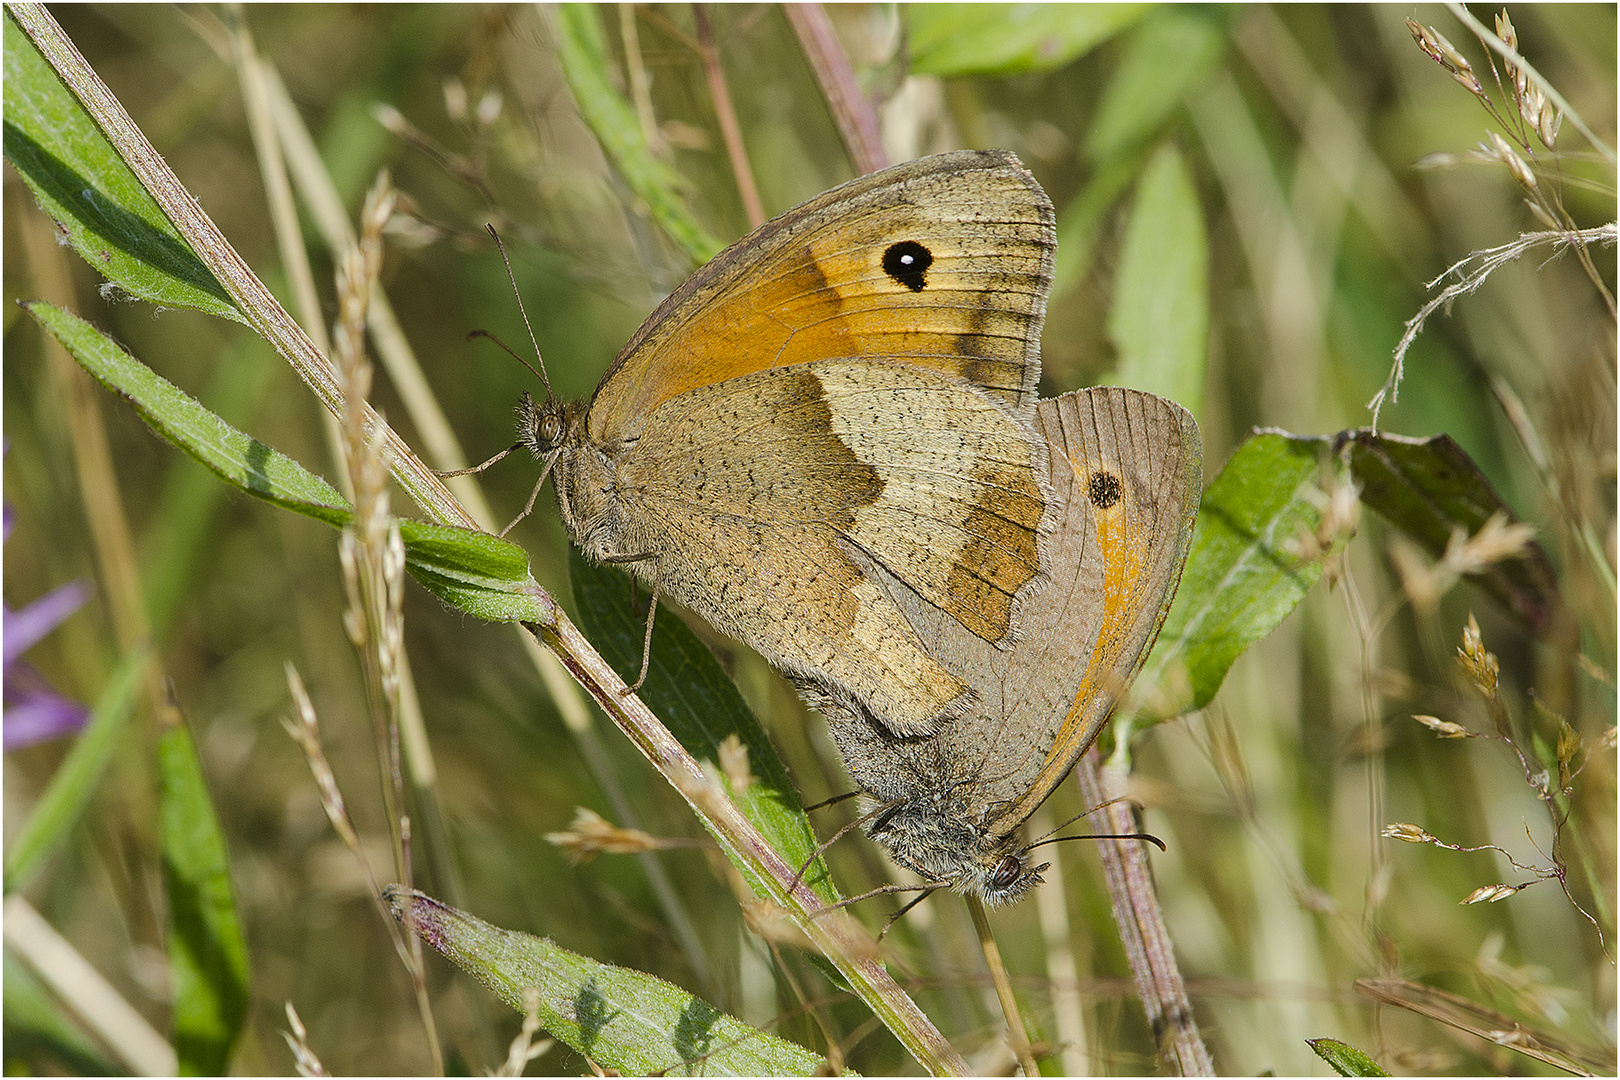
{"type": "Point", "coordinates": [908, 262]}
{"type": "Point", "coordinates": [1104, 490]}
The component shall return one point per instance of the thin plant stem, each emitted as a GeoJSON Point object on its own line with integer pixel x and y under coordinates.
{"type": "Point", "coordinates": [256, 303]}
{"type": "Point", "coordinates": [1142, 929]}
{"type": "Point", "coordinates": [79, 986]}
{"type": "Point", "coordinates": [851, 110]}
{"type": "Point", "coordinates": [838, 937]}
{"type": "Point", "coordinates": [730, 130]}
{"type": "Point", "coordinates": [1016, 1033]}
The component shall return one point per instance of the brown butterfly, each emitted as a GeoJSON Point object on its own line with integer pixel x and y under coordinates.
{"type": "Point", "coordinates": [1126, 478]}
{"type": "Point", "coordinates": [848, 390]}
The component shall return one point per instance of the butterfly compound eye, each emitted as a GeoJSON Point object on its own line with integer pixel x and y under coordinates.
{"type": "Point", "coordinates": [550, 429]}
{"type": "Point", "coordinates": [1006, 871]}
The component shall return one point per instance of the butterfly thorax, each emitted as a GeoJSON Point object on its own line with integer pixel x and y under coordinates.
{"type": "Point", "coordinates": [938, 835]}
{"type": "Point", "coordinates": [584, 476]}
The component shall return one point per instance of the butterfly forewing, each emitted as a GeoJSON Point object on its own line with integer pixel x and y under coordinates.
{"type": "Point", "coordinates": [944, 262]}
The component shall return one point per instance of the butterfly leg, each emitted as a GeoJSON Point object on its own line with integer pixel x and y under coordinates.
{"type": "Point", "coordinates": [652, 613]}
{"type": "Point", "coordinates": [446, 473]}
{"type": "Point", "coordinates": [528, 507]}
{"type": "Point", "coordinates": [925, 894]}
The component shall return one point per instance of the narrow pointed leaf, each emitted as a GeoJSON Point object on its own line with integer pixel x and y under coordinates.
{"type": "Point", "coordinates": [1345, 1059]}
{"type": "Point", "coordinates": [1160, 317]}
{"type": "Point", "coordinates": [474, 572]}
{"type": "Point", "coordinates": [239, 460]}
{"type": "Point", "coordinates": [69, 793]}
{"type": "Point", "coordinates": [83, 184]}
{"type": "Point", "coordinates": [1165, 56]}
{"type": "Point", "coordinates": [1003, 39]}
{"type": "Point", "coordinates": [625, 1020]}
{"type": "Point", "coordinates": [208, 962]}
{"type": "Point", "coordinates": [583, 54]}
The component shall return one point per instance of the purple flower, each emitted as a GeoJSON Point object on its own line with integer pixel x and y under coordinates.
{"type": "Point", "coordinates": [34, 711]}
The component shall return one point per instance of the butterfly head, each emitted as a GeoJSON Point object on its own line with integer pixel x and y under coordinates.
{"type": "Point", "coordinates": [936, 838]}
{"type": "Point", "coordinates": [546, 426]}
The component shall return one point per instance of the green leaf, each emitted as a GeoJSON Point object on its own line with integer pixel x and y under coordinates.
{"type": "Point", "coordinates": [689, 690]}
{"type": "Point", "coordinates": [1240, 580]}
{"type": "Point", "coordinates": [1168, 54]}
{"type": "Point", "coordinates": [208, 961]}
{"type": "Point", "coordinates": [1080, 224]}
{"type": "Point", "coordinates": [621, 1019]}
{"type": "Point", "coordinates": [241, 461]}
{"type": "Point", "coordinates": [1345, 1059]}
{"type": "Point", "coordinates": [36, 1024]}
{"type": "Point", "coordinates": [1003, 39]}
{"type": "Point", "coordinates": [70, 790]}
{"type": "Point", "coordinates": [1429, 488]}
{"type": "Point", "coordinates": [83, 184]}
{"type": "Point", "coordinates": [474, 572]}
{"type": "Point", "coordinates": [1160, 318]}
{"type": "Point", "coordinates": [583, 55]}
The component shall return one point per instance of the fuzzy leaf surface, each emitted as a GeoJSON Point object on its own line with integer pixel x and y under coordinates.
{"type": "Point", "coordinates": [625, 1020]}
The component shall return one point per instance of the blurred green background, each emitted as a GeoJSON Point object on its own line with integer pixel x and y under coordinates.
{"type": "Point", "coordinates": [1310, 135]}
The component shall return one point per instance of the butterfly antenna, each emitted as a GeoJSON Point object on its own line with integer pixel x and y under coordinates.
{"type": "Point", "coordinates": [1148, 837]}
{"type": "Point", "coordinates": [1043, 838]}
{"type": "Point", "coordinates": [510, 276]}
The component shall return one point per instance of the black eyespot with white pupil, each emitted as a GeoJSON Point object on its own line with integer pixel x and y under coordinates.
{"type": "Point", "coordinates": [1104, 490]}
{"type": "Point", "coordinates": [908, 262]}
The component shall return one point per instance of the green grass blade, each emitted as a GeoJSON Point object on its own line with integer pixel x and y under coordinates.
{"type": "Point", "coordinates": [1167, 55]}
{"type": "Point", "coordinates": [84, 185]}
{"type": "Point", "coordinates": [1004, 39]}
{"type": "Point", "coordinates": [625, 1020]}
{"type": "Point", "coordinates": [1345, 1059]}
{"type": "Point", "coordinates": [1160, 318]}
{"type": "Point", "coordinates": [71, 788]}
{"type": "Point", "coordinates": [583, 55]}
{"type": "Point", "coordinates": [687, 688]}
{"type": "Point", "coordinates": [1240, 582]}
{"type": "Point", "coordinates": [35, 1024]}
{"type": "Point", "coordinates": [471, 571]}
{"type": "Point", "coordinates": [241, 461]}
{"type": "Point", "coordinates": [207, 954]}
{"type": "Point", "coordinates": [1429, 488]}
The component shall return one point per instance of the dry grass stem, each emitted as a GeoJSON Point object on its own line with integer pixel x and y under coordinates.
{"type": "Point", "coordinates": [304, 1059]}
{"type": "Point", "coordinates": [590, 835]}
{"type": "Point", "coordinates": [1488, 262]}
{"type": "Point", "coordinates": [525, 1048]}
